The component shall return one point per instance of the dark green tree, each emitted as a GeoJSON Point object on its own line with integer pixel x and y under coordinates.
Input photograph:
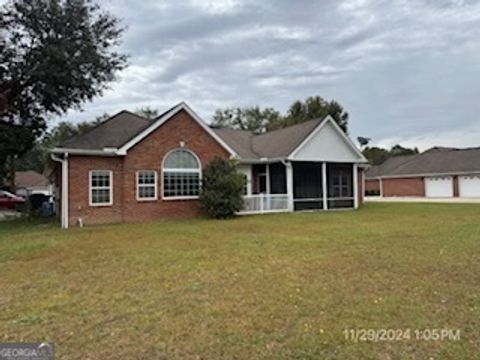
{"type": "Point", "coordinates": [248, 118]}
{"type": "Point", "coordinates": [377, 155]}
{"type": "Point", "coordinates": [397, 150]}
{"type": "Point", "coordinates": [37, 157]}
{"type": "Point", "coordinates": [54, 56]}
{"type": "Point", "coordinates": [260, 120]}
{"type": "Point", "coordinates": [222, 188]}
{"type": "Point", "coordinates": [147, 112]}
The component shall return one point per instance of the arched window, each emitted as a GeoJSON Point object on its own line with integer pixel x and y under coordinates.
{"type": "Point", "coordinates": [181, 174]}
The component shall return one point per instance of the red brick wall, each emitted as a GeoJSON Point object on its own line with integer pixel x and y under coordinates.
{"type": "Point", "coordinates": [146, 155]}
{"type": "Point", "coordinates": [78, 205]}
{"type": "Point", "coordinates": [372, 185]}
{"type": "Point", "coordinates": [403, 187]}
{"type": "Point", "coordinates": [149, 154]}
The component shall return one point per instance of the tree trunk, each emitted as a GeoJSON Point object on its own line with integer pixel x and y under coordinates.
{"type": "Point", "coordinates": [11, 173]}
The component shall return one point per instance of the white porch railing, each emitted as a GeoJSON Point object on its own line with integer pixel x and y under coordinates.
{"type": "Point", "coordinates": [264, 203]}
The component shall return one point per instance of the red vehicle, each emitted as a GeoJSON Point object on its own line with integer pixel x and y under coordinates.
{"type": "Point", "coordinates": [9, 200]}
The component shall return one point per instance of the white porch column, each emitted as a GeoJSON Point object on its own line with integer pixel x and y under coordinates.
{"type": "Point", "coordinates": [267, 178]}
{"type": "Point", "coordinates": [381, 186]}
{"type": "Point", "coordinates": [289, 175]}
{"type": "Point", "coordinates": [324, 186]}
{"type": "Point", "coordinates": [247, 171]}
{"type": "Point", "coordinates": [355, 186]}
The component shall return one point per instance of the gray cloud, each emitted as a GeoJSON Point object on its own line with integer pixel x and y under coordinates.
{"type": "Point", "coordinates": [406, 71]}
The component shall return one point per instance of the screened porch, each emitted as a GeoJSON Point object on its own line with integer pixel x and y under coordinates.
{"type": "Point", "coordinates": [300, 186]}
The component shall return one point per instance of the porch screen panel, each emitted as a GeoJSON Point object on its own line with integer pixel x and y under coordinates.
{"type": "Point", "coordinates": [340, 186]}
{"type": "Point", "coordinates": [278, 180]}
{"type": "Point", "coordinates": [307, 186]}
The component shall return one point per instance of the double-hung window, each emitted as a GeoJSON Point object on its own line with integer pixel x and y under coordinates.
{"type": "Point", "coordinates": [101, 187]}
{"type": "Point", "coordinates": [181, 175]}
{"type": "Point", "coordinates": [146, 185]}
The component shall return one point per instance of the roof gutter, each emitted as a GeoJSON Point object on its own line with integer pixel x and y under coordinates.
{"type": "Point", "coordinates": [261, 160]}
{"type": "Point", "coordinates": [424, 174]}
{"type": "Point", "coordinates": [64, 206]}
{"type": "Point", "coordinates": [104, 152]}
{"type": "Point", "coordinates": [361, 163]}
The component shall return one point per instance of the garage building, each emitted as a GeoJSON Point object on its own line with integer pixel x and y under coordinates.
{"type": "Point", "coordinates": [436, 173]}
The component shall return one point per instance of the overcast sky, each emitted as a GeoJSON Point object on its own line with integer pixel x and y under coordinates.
{"type": "Point", "coordinates": [406, 71]}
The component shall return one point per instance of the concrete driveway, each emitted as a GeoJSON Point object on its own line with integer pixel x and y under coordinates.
{"type": "Point", "coordinates": [454, 200]}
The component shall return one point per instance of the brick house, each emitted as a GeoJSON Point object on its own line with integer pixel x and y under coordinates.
{"type": "Point", "coordinates": [130, 168]}
{"type": "Point", "coordinates": [436, 173]}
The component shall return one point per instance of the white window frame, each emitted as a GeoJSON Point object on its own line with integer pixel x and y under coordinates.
{"type": "Point", "coordinates": [155, 184]}
{"type": "Point", "coordinates": [199, 171]}
{"type": "Point", "coordinates": [90, 188]}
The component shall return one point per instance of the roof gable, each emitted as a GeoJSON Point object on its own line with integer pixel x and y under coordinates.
{"type": "Point", "coordinates": [327, 142]}
{"type": "Point", "coordinates": [165, 117]}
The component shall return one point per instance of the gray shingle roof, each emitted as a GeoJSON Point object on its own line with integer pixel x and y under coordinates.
{"type": "Point", "coordinates": [282, 142]}
{"type": "Point", "coordinates": [273, 144]}
{"type": "Point", "coordinates": [434, 161]}
{"type": "Point", "coordinates": [238, 140]}
{"type": "Point", "coordinates": [114, 132]}
{"type": "Point", "coordinates": [122, 127]}
{"type": "Point", "coordinates": [388, 166]}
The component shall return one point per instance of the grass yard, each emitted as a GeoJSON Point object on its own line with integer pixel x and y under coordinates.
{"type": "Point", "coordinates": [260, 287]}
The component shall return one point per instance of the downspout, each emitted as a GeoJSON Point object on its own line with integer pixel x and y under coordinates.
{"type": "Point", "coordinates": [64, 162]}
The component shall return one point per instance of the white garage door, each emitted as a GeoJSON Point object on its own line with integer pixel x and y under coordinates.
{"type": "Point", "coordinates": [439, 186]}
{"type": "Point", "coordinates": [469, 186]}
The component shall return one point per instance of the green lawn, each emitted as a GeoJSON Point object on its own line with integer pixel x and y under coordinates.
{"type": "Point", "coordinates": [259, 287]}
